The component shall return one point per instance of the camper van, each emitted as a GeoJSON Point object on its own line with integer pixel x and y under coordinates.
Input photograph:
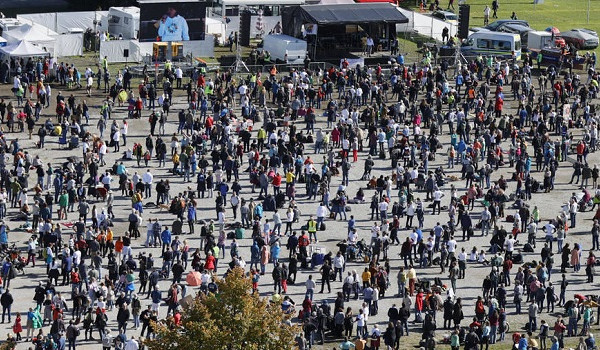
{"type": "Point", "coordinates": [506, 45]}
{"type": "Point", "coordinates": [124, 21]}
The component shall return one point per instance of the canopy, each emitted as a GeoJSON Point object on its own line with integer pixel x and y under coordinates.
{"type": "Point", "coordinates": [30, 32]}
{"type": "Point", "coordinates": [22, 49]}
{"type": "Point", "coordinates": [351, 13]}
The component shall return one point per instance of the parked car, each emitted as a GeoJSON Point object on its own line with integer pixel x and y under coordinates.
{"type": "Point", "coordinates": [447, 16]}
{"type": "Point", "coordinates": [582, 39]}
{"type": "Point", "coordinates": [495, 25]}
{"type": "Point", "coordinates": [520, 29]}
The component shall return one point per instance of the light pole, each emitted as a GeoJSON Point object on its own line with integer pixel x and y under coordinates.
{"type": "Point", "coordinates": [588, 12]}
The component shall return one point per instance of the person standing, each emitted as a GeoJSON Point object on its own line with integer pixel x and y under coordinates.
{"type": "Point", "coordinates": [72, 333]}
{"type": "Point", "coordinates": [6, 300]}
{"type": "Point", "coordinates": [486, 15]}
{"type": "Point", "coordinates": [495, 7]}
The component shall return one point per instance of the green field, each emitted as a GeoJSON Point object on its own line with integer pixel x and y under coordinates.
{"type": "Point", "coordinates": [563, 14]}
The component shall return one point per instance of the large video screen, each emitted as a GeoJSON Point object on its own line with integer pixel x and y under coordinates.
{"type": "Point", "coordinates": [172, 21]}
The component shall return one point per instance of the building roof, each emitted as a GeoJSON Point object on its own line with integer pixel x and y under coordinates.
{"type": "Point", "coordinates": [352, 13]}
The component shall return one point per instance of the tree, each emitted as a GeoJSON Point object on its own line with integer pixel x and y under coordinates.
{"type": "Point", "coordinates": [232, 319]}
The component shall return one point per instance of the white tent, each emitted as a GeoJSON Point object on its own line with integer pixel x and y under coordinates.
{"type": "Point", "coordinates": [35, 34]}
{"type": "Point", "coordinates": [22, 49]}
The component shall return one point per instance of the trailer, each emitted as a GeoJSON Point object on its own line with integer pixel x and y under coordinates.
{"type": "Point", "coordinates": [124, 21]}
{"type": "Point", "coordinates": [285, 48]}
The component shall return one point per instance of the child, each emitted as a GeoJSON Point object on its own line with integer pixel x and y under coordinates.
{"type": "Point", "coordinates": [17, 327]}
{"type": "Point", "coordinates": [255, 279]}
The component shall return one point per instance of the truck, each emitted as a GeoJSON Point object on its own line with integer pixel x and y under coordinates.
{"type": "Point", "coordinates": [285, 48]}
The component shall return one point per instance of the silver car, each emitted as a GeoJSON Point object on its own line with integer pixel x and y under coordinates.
{"type": "Point", "coordinates": [582, 39]}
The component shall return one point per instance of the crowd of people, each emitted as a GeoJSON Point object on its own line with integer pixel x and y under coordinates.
{"type": "Point", "coordinates": [261, 147]}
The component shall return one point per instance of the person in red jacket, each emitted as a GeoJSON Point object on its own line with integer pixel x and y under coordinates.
{"type": "Point", "coordinates": [303, 243]}
{"type": "Point", "coordinates": [580, 151]}
{"type": "Point", "coordinates": [276, 183]}
{"type": "Point", "coordinates": [139, 105]}
{"type": "Point", "coordinates": [498, 106]}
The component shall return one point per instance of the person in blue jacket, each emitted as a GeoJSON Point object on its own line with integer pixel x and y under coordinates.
{"type": "Point", "coordinates": [165, 237]}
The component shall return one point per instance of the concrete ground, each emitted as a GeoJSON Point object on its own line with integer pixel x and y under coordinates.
{"type": "Point", "coordinates": [468, 289]}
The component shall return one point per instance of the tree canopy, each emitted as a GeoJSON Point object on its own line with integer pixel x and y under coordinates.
{"type": "Point", "coordinates": [233, 318]}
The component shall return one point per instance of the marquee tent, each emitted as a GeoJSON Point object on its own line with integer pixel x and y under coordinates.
{"type": "Point", "coordinates": [35, 34]}
{"type": "Point", "coordinates": [22, 49]}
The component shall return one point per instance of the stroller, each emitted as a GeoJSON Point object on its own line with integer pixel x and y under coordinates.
{"type": "Point", "coordinates": [364, 251]}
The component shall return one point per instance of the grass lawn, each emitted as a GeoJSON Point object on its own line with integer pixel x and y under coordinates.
{"type": "Point", "coordinates": [563, 14]}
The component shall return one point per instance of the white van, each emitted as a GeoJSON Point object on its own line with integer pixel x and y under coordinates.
{"type": "Point", "coordinates": [506, 45]}
{"type": "Point", "coordinates": [285, 48]}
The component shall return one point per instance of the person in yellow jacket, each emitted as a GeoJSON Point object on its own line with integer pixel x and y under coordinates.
{"type": "Point", "coordinates": [175, 163]}
{"type": "Point", "coordinates": [311, 226]}
{"type": "Point", "coordinates": [289, 178]}
{"type": "Point", "coordinates": [262, 136]}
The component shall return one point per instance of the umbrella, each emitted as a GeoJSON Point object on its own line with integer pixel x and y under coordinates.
{"type": "Point", "coordinates": [193, 278]}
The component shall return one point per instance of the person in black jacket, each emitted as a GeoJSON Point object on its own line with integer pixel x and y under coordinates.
{"type": "Point", "coordinates": [472, 341]}
{"type": "Point", "coordinates": [276, 274]}
{"type": "Point", "coordinates": [403, 316]}
{"type": "Point", "coordinates": [326, 277]}
{"type": "Point", "coordinates": [122, 317]}
{"type": "Point", "coordinates": [292, 268]}
{"type": "Point", "coordinates": [393, 314]}
{"type": "Point", "coordinates": [448, 310]}
{"type": "Point", "coordinates": [389, 336]}
{"type": "Point", "coordinates": [177, 270]}
{"type": "Point", "coordinates": [6, 300]}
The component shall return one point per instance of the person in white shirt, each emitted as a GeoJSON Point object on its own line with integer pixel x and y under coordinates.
{"type": "Point", "coordinates": [310, 288]}
{"type": "Point", "coordinates": [451, 244]}
{"type": "Point", "coordinates": [549, 233]}
{"type": "Point", "coordinates": [101, 153]}
{"type": "Point", "coordinates": [132, 344]}
{"type": "Point", "coordinates": [339, 264]}
{"type": "Point", "coordinates": [116, 138]}
{"type": "Point", "coordinates": [531, 231]}
{"type": "Point", "coordinates": [383, 207]}
{"type": "Point", "coordinates": [147, 180]}
{"type": "Point", "coordinates": [322, 211]}
{"type": "Point", "coordinates": [509, 245]}
{"type": "Point", "coordinates": [124, 130]}
{"type": "Point", "coordinates": [375, 229]}
{"type": "Point", "coordinates": [462, 263]}
{"type": "Point", "coordinates": [179, 76]}
{"type": "Point", "coordinates": [437, 200]}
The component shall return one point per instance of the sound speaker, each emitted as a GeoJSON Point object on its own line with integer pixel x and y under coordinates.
{"type": "Point", "coordinates": [125, 53]}
{"type": "Point", "coordinates": [464, 12]}
{"type": "Point", "coordinates": [244, 33]}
